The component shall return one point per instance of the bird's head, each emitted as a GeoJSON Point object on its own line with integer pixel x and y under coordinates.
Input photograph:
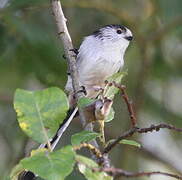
{"type": "Point", "coordinates": [114, 35]}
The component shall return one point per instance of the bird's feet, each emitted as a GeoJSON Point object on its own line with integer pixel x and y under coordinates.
{"type": "Point", "coordinates": [75, 50]}
{"type": "Point", "coordinates": [82, 90]}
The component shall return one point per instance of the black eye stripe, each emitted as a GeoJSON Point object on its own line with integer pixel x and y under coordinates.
{"type": "Point", "coordinates": [123, 29]}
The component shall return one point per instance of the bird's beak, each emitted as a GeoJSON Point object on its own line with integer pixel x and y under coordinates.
{"type": "Point", "coordinates": [129, 38]}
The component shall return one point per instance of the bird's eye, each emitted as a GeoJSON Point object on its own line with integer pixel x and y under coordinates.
{"type": "Point", "coordinates": [119, 31]}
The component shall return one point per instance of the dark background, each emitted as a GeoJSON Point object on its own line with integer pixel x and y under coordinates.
{"type": "Point", "coordinates": [31, 58]}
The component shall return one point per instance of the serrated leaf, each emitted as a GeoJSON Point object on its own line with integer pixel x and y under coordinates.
{"type": "Point", "coordinates": [110, 117]}
{"type": "Point", "coordinates": [51, 166]}
{"type": "Point", "coordinates": [83, 136]}
{"type": "Point", "coordinates": [110, 91]}
{"type": "Point", "coordinates": [85, 166]}
{"type": "Point", "coordinates": [130, 142]}
{"type": "Point", "coordinates": [16, 171]}
{"type": "Point", "coordinates": [40, 113]}
{"type": "Point", "coordinates": [84, 101]}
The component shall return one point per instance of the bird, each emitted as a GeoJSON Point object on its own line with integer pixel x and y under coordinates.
{"type": "Point", "coordinates": [101, 54]}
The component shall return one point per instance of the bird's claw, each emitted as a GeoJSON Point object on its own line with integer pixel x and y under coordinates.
{"type": "Point", "coordinates": [82, 90]}
{"type": "Point", "coordinates": [75, 50]}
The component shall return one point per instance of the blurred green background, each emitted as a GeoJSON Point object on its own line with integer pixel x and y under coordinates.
{"type": "Point", "coordinates": [31, 58]}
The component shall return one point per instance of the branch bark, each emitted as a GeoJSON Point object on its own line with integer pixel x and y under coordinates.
{"type": "Point", "coordinates": [134, 130]}
{"type": "Point", "coordinates": [68, 47]}
{"type": "Point", "coordinates": [67, 43]}
{"type": "Point", "coordinates": [129, 103]}
{"type": "Point", "coordinates": [122, 173]}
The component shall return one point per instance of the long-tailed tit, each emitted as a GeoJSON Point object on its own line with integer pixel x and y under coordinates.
{"type": "Point", "coordinates": [100, 55]}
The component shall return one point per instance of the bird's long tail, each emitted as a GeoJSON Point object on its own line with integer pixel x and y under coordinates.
{"type": "Point", "coordinates": [28, 175]}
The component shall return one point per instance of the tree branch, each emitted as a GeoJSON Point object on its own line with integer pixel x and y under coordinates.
{"type": "Point", "coordinates": [134, 130]}
{"type": "Point", "coordinates": [129, 103]}
{"type": "Point", "coordinates": [92, 148]}
{"type": "Point", "coordinates": [116, 172]}
{"type": "Point", "coordinates": [68, 47]}
{"type": "Point", "coordinates": [67, 44]}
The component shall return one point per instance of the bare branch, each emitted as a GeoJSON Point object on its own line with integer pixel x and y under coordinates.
{"type": "Point", "coordinates": [120, 172]}
{"type": "Point", "coordinates": [134, 130]}
{"type": "Point", "coordinates": [68, 47]}
{"type": "Point", "coordinates": [92, 148]}
{"type": "Point", "coordinates": [116, 141]}
{"type": "Point", "coordinates": [67, 43]}
{"type": "Point", "coordinates": [128, 103]}
{"type": "Point", "coordinates": [158, 127]}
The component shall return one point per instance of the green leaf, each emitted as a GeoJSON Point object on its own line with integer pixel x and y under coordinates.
{"type": "Point", "coordinates": [83, 136]}
{"type": "Point", "coordinates": [51, 166]}
{"type": "Point", "coordinates": [85, 166]}
{"type": "Point", "coordinates": [40, 112]}
{"type": "Point", "coordinates": [110, 91]}
{"type": "Point", "coordinates": [84, 101]}
{"type": "Point", "coordinates": [110, 117]}
{"type": "Point", "coordinates": [130, 142]}
{"type": "Point", "coordinates": [16, 171]}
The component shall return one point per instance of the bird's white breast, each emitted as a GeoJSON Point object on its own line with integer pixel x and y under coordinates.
{"type": "Point", "coordinates": [96, 62]}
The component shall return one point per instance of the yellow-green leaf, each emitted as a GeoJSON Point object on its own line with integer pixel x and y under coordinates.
{"type": "Point", "coordinates": [85, 166]}
{"type": "Point", "coordinates": [40, 113]}
{"type": "Point", "coordinates": [16, 171]}
{"type": "Point", "coordinates": [110, 91]}
{"type": "Point", "coordinates": [51, 166]}
{"type": "Point", "coordinates": [83, 136]}
{"type": "Point", "coordinates": [130, 142]}
{"type": "Point", "coordinates": [84, 101]}
{"type": "Point", "coordinates": [110, 116]}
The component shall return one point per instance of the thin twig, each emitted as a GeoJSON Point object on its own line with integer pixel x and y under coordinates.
{"type": "Point", "coordinates": [116, 141]}
{"type": "Point", "coordinates": [158, 127]}
{"type": "Point", "coordinates": [67, 44]}
{"type": "Point", "coordinates": [129, 103]}
{"type": "Point", "coordinates": [134, 130]}
{"type": "Point", "coordinates": [92, 148]}
{"type": "Point", "coordinates": [116, 172]}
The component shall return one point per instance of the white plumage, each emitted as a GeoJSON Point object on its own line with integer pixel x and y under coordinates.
{"type": "Point", "coordinates": [100, 56]}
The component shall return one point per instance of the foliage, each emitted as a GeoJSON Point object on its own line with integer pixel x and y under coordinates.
{"type": "Point", "coordinates": [85, 166]}
{"type": "Point", "coordinates": [83, 136]}
{"type": "Point", "coordinates": [130, 142]}
{"type": "Point", "coordinates": [31, 58]}
{"type": "Point", "coordinates": [41, 112]}
{"type": "Point", "coordinates": [39, 115]}
{"type": "Point", "coordinates": [51, 165]}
